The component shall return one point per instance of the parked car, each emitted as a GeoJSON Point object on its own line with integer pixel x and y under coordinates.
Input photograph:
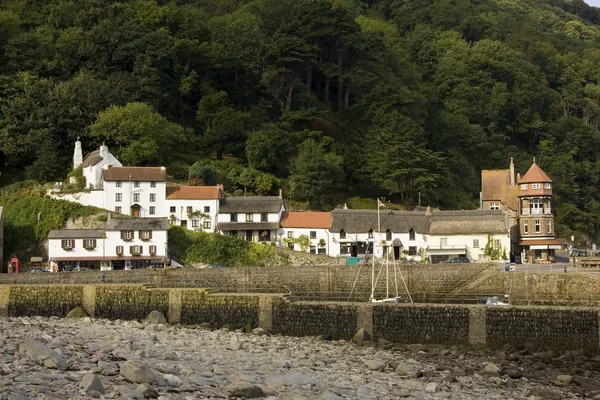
{"type": "Point", "coordinates": [495, 301]}
{"type": "Point", "coordinates": [38, 270]}
{"type": "Point", "coordinates": [458, 260]}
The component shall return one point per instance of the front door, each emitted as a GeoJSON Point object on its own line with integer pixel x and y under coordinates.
{"type": "Point", "coordinates": [249, 236]}
{"type": "Point", "coordinates": [135, 211]}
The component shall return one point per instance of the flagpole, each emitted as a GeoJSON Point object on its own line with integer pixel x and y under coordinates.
{"type": "Point", "coordinates": [373, 264]}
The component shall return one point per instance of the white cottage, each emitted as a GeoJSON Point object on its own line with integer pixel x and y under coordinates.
{"type": "Point", "coordinates": [313, 227]}
{"type": "Point", "coordinates": [125, 243]}
{"type": "Point", "coordinates": [93, 164]}
{"type": "Point", "coordinates": [194, 207]}
{"type": "Point", "coordinates": [253, 218]}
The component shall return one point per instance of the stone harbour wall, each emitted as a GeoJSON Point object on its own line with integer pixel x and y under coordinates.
{"type": "Point", "coordinates": [422, 324]}
{"type": "Point", "coordinates": [312, 319]}
{"type": "Point", "coordinates": [543, 327]}
{"type": "Point", "coordinates": [197, 307]}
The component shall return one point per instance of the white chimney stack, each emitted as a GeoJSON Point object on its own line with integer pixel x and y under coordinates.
{"type": "Point", "coordinates": [77, 154]}
{"type": "Point", "coordinates": [104, 151]}
{"type": "Point", "coordinates": [512, 172]}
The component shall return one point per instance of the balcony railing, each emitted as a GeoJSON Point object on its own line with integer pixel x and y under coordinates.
{"type": "Point", "coordinates": [536, 211]}
{"type": "Point", "coordinates": [447, 247]}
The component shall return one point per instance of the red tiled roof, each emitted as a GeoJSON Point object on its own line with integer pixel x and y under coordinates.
{"type": "Point", "coordinates": [542, 242]}
{"type": "Point", "coordinates": [535, 175]}
{"type": "Point", "coordinates": [144, 174]}
{"type": "Point", "coordinates": [193, 192]}
{"type": "Point", "coordinates": [306, 219]}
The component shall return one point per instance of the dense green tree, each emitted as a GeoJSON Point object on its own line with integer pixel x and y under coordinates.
{"type": "Point", "coordinates": [203, 173]}
{"type": "Point", "coordinates": [266, 147]}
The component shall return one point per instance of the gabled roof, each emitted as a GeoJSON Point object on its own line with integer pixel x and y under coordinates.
{"type": "Point", "coordinates": [137, 224]}
{"type": "Point", "coordinates": [535, 175]}
{"type": "Point", "coordinates": [144, 174]}
{"type": "Point", "coordinates": [468, 222]}
{"type": "Point", "coordinates": [250, 204]}
{"type": "Point", "coordinates": [361, 221]}
{"type": "Point", "coordinates": [495, 186]}
{"type": "Point", "coordinates": [92, 158]}
{"type": "Point", "coordinates": [306, 219]}
{"type": "Point", "coordinates": [193, 192]}
{"type": "Point", "coordinates": [76, 234]}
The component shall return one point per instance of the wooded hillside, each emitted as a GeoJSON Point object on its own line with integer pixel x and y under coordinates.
{"type": "Point", "coordinates": [325, 98]}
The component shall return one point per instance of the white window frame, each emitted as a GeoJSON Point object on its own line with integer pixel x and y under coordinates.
{"type": "Point", "coordinates": [249, 217]}
{"type": "Point", "coordinates": [118, 209]}
{"type": "Point", "coordinates": [538, 226]}
{"type": "Point", "coordinates": [152, 250]}
{"type": "Point", "coordinates": [495, 205]}
{"type": "Point", "coordinates": [290, 234]}
{"type": "Point", "coordinates": [497, 243]}
{"type": "Point", "coordinates": [549, 226]}
{"type": "Point", "coordinates": [194, 223]}
{"type": "Point", "coordinates": [67, 244]}
{"type": "Point", "coordinates": [536, 206]}
{"type": "Point", "coordinates": [136, 184]}
{"type": "Point", "coordinates": [443, 242]}
{"type": "Point", "coordinates": [119, 183]}
{"type": "Point", "coordinates": [136, 250]}
{"type": "Point", "coordinates": [127, 235]}
{"type": "Point", "coordinates": [524, 186]}
{"type": "Point", "coordinates": [118, 197]}
{"type": "Point", "coordinates": [136, 197]}
{"type": "Point", "coordinates": [152, 210]}
{"type": "Point", "coordinates": [475, 243]}
{"type": "Point", "coordinates": [206, 225]}
{"type": "Point", "coordinates": [525, 227]}
{"type": "Point", "coordinates": [547, 186]}
{"type": "Point", "coordinates": [152, 197]}
{"type": "Point", "coordinates": [153, 184]}
{"type": "Point", "coordinates": [145, 235]}
{"type": "Point", "coordinates": [536, 186]}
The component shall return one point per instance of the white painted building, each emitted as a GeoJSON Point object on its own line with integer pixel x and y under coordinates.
{"type": "Point", "coordinates": [136, 191]}
{"type": "Point", "coordinates": [194, 207]}
{"type": "Point", "coordinates": [93, 164]}
{"type": "Point", "coordinates": [401, 234]}
{"type": "Point", "coordinates": [125, 243]}
{"type": "Point", "coordinates": [313, 225]}
{"type": "Point", "coordinates": [253, 218]}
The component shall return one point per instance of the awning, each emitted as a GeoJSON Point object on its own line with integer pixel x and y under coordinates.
{"type": "Point", "coordinates": [543, 244]}
{"type": "Point", "coordinates": [397, 243]}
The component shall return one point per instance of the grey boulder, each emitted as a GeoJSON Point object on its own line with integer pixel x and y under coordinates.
{"type": "Point", "coordinates": [137, 372]}
{"type": "Point", "coordinates": [42, 354]}
{"type": "Point", "coordinates": [154, 318]}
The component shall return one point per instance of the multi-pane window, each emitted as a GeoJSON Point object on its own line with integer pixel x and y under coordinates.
{"type": "Point", "coordinates": [172, 209]}
{"type": "Point", "coordinates": [497, 243]}
{"type": "Point", "coordinates": [152, 250]}
{"type": "Point", "coordinates": [549, 226]}
{"type": "Point", "coordinates": [475, 243]}
{"type": "Point", "coordinates": [145, 235]}
{"type": "Point", "coordinates": [153, 184]}
{"type": "Point", "coordinates": [290, 234]}
{"type": "Point", "coordinates": [135, 250]}
{"type": "Point", "coordinates": [136, 184]}
{"type": "Point", "coordinates": [313, 234]}
{"type": "Point", "coordinates": [233, 217]}
{"type": "Point", "coordinates": [443, 242]}
{"type": "Point", "coordinates": [67, 244]}
{"type": "Point", "coordinates": [264, 217]}
{"type": "Point", "coordinates": [194, 223]}
{"type": "Point", "coordinates": [537, 206]}
{"type": "Point", "coordinates": [136, 197]}
{"type": "Point", "coordinates": [189, 209]}
{"type": "Point", "coordinates": [249, 217]}
{"type": "Point", "coordinates": [538, 226]}
{"type": "Point", "coordinates": [524, 186]}
{"type": "Point", "coordinates": [345, 248]}
{"type": "Point", "coordinates": [152, 210]}
{"type": "Point", "coordinates": [313, 250]}
{"type": "Point", "coordinates": [152, 197]}
{"type": "Point", "coordinates": [89, 244]}
{"type": "Point", "coordinates": [342, 234]}
{"type": "Point", "coordinates": [118, 197]}
{"type": "Point", "coordinates": [411, 234]}
{"type": "Point", "coordinates": [206, 225]}
{"type": "Point", "coordinates": [388, 235]}
{"type": "Point", "coordinates": [525, 227]}
{"type": "Point", "coordinates": [127, 235]}
{"type": "Point", "coordinates": [412, 250]}
{"type": "Point", "coordinates": [118, 183]}
{"type": "Point", "coordinates": [536, 186]}
{"type": "Point", "coordinates": [206, 209]}
{"type": "Point", "coordinates": [547, 186]}
{"type": "Point", "coordinates": [118, 209]}
{"type": "Point", "coordinates": [494, 206]}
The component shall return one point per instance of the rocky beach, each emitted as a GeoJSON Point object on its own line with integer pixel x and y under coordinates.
{"type": "Point", "coordinates": [53, 358]}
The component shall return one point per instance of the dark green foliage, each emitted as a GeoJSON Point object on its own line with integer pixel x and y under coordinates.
{"type": "Point", "coordinates": [203, 173]}
{"type": "Point", "coordinates": [406, 97]}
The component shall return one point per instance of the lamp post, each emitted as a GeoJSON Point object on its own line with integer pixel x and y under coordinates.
{"type": "Point", "coordinates": [573, 254]}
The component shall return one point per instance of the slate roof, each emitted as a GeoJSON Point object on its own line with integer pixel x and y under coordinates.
{"type": "Point", "coordinates": [306, 219]}
{"type": "Point", "coordinates": [92, 158]}
{"type": "Point", "coordinates": [250, 204]}
{"type": "Point", "coordinates": [76, 234]}
{"type": "Point", "coordinates": [535, 175]}
{"type": "Point", "coordinates": [193, 192]}
{"type": "Point", "coordinates": [360, 221]}
{"type": "Point", "coordinates": [243, 226]}
{"type": "Point", "coordinates": [468, 222]}
{"type": "Point", "coordinates": [144, 174]}
{"type": "Point", "coordinates": [135, 224]}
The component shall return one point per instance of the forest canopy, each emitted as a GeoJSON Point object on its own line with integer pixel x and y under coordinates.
{"type": "Point", "coordinates": [327, 99]}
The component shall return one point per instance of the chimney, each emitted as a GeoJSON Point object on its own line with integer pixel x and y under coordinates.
{"type": "Point", "coordinates": [77, 154]}
{"type": "Point", "coordinates": [104, 151]}
{"type": "Point", "coordinates": [281, 194]}
{"type": "Point", "coordinates": [220, 189]}
{"type": "Point", "coordinates": [428, 211]}
{"type": "Point", "coordinates": [512, 172]}
{"type": "Point", "coordinates": [518, 177]}
{"type": "Point", "coordinates": [345, 206]}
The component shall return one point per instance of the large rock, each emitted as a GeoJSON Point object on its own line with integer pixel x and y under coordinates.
{"type": "Point", "coordinates": [245, 390]}
{"type": "Point", "coordinates": [362, 336]}
{"type": "Point", "coordinates": [91, 382]}
{"type": "Point", "coordinates": [375, 365]}
{"type": "Point", "coordinates": [409, 370]}
{"type": "Point", "coordinates": [42, 354]}
{"type": "Point", "coordinates": [293, 378]}
{"type": "Point", "coordinates": [260, 332]}
{"type": "Point", "coordinates": [77, 312]}
{"type": "Point", "coordinates": [155, 317]}
{"type": "Point", "coordinates": [148, 391]}
{"type": "Point", "coordinates": [137, 372]}
{"type": "Point", "coordinates": [492, 369]}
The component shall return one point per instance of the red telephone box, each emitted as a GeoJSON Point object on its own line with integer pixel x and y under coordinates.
{"type": "Point", "coordinates": [14, 265]}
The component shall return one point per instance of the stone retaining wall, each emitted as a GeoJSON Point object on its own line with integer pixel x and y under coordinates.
{"type": "Point", "coordinates": [544, 327]}
{"type": "Point", "coordinates": [422, 324]}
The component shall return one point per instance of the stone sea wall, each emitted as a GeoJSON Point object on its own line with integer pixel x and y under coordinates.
{"type": "Point", "coordinates": [543, 327]}
{"type": "Point", "coordinates": [422, 324]}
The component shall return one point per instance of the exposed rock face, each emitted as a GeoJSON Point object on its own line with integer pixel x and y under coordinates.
{"type": "Point", "coordinates": [88, 358]}
{"type": "Point", "coordinates": [155, 317]}
{"type": "Point", "coordinates": [362, 336]}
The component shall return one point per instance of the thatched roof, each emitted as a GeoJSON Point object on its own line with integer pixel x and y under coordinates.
{"type": "Point", "coordinates": [137, 224]}
{"type": "Point", "coordinates": [468, 222]}
{"type": "Point", "coordinates": [360, 221]}
{"type": "Point", "coordinates": [92, 158]}
{"type": "Point", "coordinates": [250, 204]}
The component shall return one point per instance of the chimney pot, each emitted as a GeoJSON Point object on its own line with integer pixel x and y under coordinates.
{"type": "Point", "coordinates": [428, 211]}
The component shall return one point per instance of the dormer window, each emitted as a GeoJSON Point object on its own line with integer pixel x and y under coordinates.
{"type": "Point", "coordinates": [342, 234]}
{"type": "Point", "coordinates": [388, 235]}
{"type": "Point", "coordinates": [536, 186]}
{"type": "Point", "coordinates": [370, 233]}
{"type": "Point", "coordinates": [411, 234]}
{"type": "Point", "coordinates": [547, 186]}
{"type": "Point", "coordinates": [495, 206]}
{"type": "Point", "coordinates": [524, 186]}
